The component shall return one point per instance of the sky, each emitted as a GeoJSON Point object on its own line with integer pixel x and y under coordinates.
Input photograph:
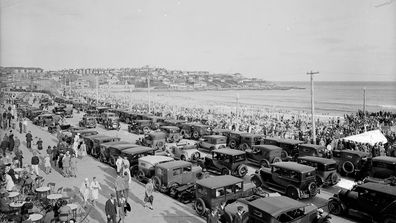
{"type": "Point", "coordinates": [276, 40]}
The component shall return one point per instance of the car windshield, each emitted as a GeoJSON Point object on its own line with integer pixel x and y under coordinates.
{"type": "Point", "coordinates": [291, 215]}
{"type": "Point", "coordinates": [239, 158]}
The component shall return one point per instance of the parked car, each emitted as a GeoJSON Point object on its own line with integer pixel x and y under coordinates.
{"type": "Point", "coordinates": [289, 146]}
{"type": "Point", "coordinates": [225, 161]}
{"type": "Point", "coordinates": [104, 148]}
{"type": "Point", "coordinates": [33, 112]}
{"type": "Point", "coordinates": [326, 169]}
{"type": "Point", "coordinates": [173, 174]}
{"type": "Point", "coordinates": [87, 122]}
{"type": "Point", "coordinates": [140, 126]}
{"type": "Point", "coordinates": [290, 178]}
{"type": "Point", "coordinates": [53, 128]}
{"type": "Point", "coordinates": [147, 166]}
{"type": "Point", "coordinates": [313, 150]}
{"type": "Point", "coordinates": [104, 116]}
{"type": "Point", "coordinates": [244, 141]}
{"type": "Point", "coordinates": [112, 123]}
{"type": "Point", "coordinates": [184, 151]}
{"type": "Point", "coordinates": [264, 155]}
{"type": "Point", "coordinates": [92, 113]}
{"type": "Point", "coordinates": [194, 130]}
{"type": "Point", "coordinates": [93, 142]}
{"type": "Point", "coordinates": [283, 209]}
{"type": "Point", "coordinates": [46, 119]}
{"type": "Point", "coordinates": [154, 140]}
{"type": "Point", "coordinates": [172, 133]}
{"type": "Point", "coordinates": [223, 132]}
{"type": "Point", "coordinates": [350, 162]}
{"type": "Point", "coordinates": [382, 169]}
{"type": "Point", "coordinates": [211, 192]}
{"type": "Point", "coordinates": [212, 142]}
{"type": "Point", "coordinates": [133, 155]}
{"type": "Point", "coordinates": [125, 116]}
{"type": "Point", "coordinates": [174, 122]}
{"type": "Point", "coordinates": [63, 110]}
{"type": "Point", "coordinates": [371, 201]}
{"type": "Point", "coordinates": [111, 153]}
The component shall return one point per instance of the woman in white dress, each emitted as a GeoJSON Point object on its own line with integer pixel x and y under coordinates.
{"type": "Point", "coordinates": [85, 190]}
{"type": "Point", "coordinates": [95, 187]}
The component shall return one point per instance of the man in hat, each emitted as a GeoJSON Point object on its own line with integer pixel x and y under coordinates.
{"type": "Point", "coordinates": [66, 164]}
{"type": "Point", "coordinates": [238, 217]}
{"type": "Point", "coordinates": [111, 209]}
{"type": "Point", "coordinates": [29, 139]}
{"type": "Point", "coordinates": [119, 185]}
{"type": "Point", "coordinates": [35, 163]}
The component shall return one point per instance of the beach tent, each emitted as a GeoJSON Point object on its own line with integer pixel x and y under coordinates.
{"type": "Point", "coordinates": [371, 137]}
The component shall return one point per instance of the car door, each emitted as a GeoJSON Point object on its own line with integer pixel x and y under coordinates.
{"type": "Point", "coordinates": [177, 175]}
{"type": "Point", "coordinates": [187, 175]}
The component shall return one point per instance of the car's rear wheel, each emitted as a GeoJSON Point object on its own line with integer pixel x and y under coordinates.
{"type": "Point", "coordinates": [232, 144]}
{"type": "Point", "coordinates": [348, 167]}
{"type": "Point", "coordinates": [196, 156]}
{"type": "Point", "coordinates": [335, 207]}
{"type": "Point", "coordinates": [265, 163]}
{"type": "Point", "coordinates": [244, 147]}
{"type": "Point", "coordinates": [225, 171]}
{"type": "Point", "coordinates": [313, 189]}
{"type": "Point", "coordinates": [276, 160]}
{"type": "Point", "coordinates": [292, 192]}
{"type": "Point", "coordinates": [334, 178]}
{"type": "Point", "coordinates": [242, 170]}
{"type": "Point", "coordinates": [284, 154]}
{"type": "Point", "coordinates": [157, 183]}
{"type": "Point", "coordinates": [173, 190]}
{"type": "Point", "coordinates": [200, 206]}
{"type": "Point", "coordinates": [195, 135]}
{"type": "Point", "coordinates": [255, 181]}
{"type": "Point", "coordinates": [140, 175]}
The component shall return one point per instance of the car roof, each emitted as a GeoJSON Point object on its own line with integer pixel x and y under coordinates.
{"type": "Point", "coordinates": [317, 159]}
{"type": "Point", "coordinates": [142, 121]}
{"type": "Point", "coordinates": [317, 147]}
{"type": "Point", "coordinates": [109, 113]}
{"type": "Point", "coordinates": [288, 141]}
{"type": "Point", "coordinates": [84, 130]}
{"type": "Point", "coordinates": [382, 188]}
{"type": "Point", "coordinates": [103, 137]}
{"type": "Point", "coordinates": [94, 136]}
{"type": "Point", "coordinates": [102, 107]}
{"type": "Point", "coordinates": [136, 150]}
{"type": "Point", "coordinates": [359, 153]}
{"type": "Point", "coordinates": [215, 136]}
{"type": "Point", "coordinates": [385, 159]}
{"type": "Point", "coordinates": [175, 163]}
{"type": "Point", "coordinates": [169, 127]}
{"type": "Point", "coordinates": [228, 151]}
{"type": "Point", "coordinates": [108, 144]}
{"type": "Point", "coordinates": [221, 130]}
{"type": "Point", "coordinates": [268, 147]}
{"type": "Point", "coordinates": [157, 133]}
{"type": "Point", "coordinates": [219, 181]}
{"type": "Point", "coordinates": [245, 134]}
{"type": "Point", "coordinates": [294, 166]}
{"type": "Point", "coordinates": [155, 159]}
{"type": "Point", "coordinates": [275, 206]}
{"type": "Point", "coordinates": [124, 146]}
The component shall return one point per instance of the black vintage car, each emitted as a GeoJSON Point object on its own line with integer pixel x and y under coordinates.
{"type": "Point", "coordinates": [289, 146]}
{"type": "Point", "coordinates": [383, 170]}
{"type": "Point", "coordinates": [371, 201]}
{"type": "Point", "coordinates": [350, 162]}
{"type": "Point", "coordinates": [243, 141]}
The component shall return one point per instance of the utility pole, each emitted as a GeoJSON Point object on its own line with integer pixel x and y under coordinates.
{"type": "Point", "coordinates": [364, 109]}
{"type": "Point", "coordinates": [313, 107]}
{"type": "Point", "coordinates": [149, 96]}
{"type": "Point", "coordinates": [237, 106]}
{"type": "Point", "coordinates": [97, 90]}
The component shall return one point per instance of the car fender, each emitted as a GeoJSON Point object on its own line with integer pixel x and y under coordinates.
{"type": "Point", "coordinates": [257, 176]}
{"type": "Point", "coordinates": [189, 152]}
{"type": "Point", "coordinates": [339, 201]}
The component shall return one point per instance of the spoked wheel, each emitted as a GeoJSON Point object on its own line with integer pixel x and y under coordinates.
{"type": "Point", "coordinates": [335, 207]}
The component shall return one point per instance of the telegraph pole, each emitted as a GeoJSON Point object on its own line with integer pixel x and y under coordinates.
{"type": "Point", "coordinates": [364, 109]}
{"type": "Point", "coordinates": [237, 106]}
{"type": "Point", "coordinates": [97, 90]}
{"type": "Point", "coordinates": [313, 107]}
{"type": "Point", "coordinates": [149, 96]}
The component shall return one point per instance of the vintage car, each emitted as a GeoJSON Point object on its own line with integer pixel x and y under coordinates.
{"type": "Point", "coordinates": [53, 128]}
{"type": "Point", "coordinates": [173, 174]}
{"type": "Point", "coordinates": [194, 130]}
{"type": "Point", "coordinates": [156, 121]}
{"type": "Point", "coordinates": [184, 151]}
{"type": "Point", "coordinates": [92, 113]}
{"type": "Point", "coordinates": [211, 192]}
{"type": "Point", "coordinates": [46, 119]}
{"type": "Point", "coordinates": [243, 141]}
{"type": "Point", "coordinates": [88, 122]}
{"type": "Point", "coordinates": [104, 148]}
{"type": "Point", "coordinates": [147, 166]}
{"type": "Point", "coordinates": [154, 140]}
{"type": "Point", "coordinates": [313, 150]}
{"type": "Point", "coordinates": [326, 169]}
{"type": "Point", "coordinates": [264, 155]}
{"type": "Point", "coordinates": [350, 162]}
{"type": "Point", "coordinates": [104, 116]}
{"type": "Point", "coordinates": [93, 142]}
{"type": "Point", "coordinates": [212, 142]}
{"type": "Point", "coordinates": [295, 180]}
{"type": "Point", "coordinates": [225, 161]}
{"type": "Point", "coordinates": [283, 209]}
{"type": "Point", "coordinates": [140, 127]}
{"type": "Point", "coordinates": [174, 122]}
{"type": "Point", "coordinates": [63, 110]}
{"type": "Point", "coordinates": [370, 201]}
{"type": "Point", "coordinates": [112, 123]}
{"type": "Point", "coordinates": [172, 133]}
{"type": "Point", "coordinates": [382, 168]}
{"type": "Point", "coordinates": [80, 106]}
{"type": "Point", "coordinates": [33, 112]}
{"type": "Point", "coordinates": [133, 155]}
{"type": "Point", "coordinates": [223, 132]}
{"type": "Point", "coordinates": [111, 153]}
{"type": "Point", "coordinates": [125, 116]}
{"type": "Point", "coordinates": [289, 146]}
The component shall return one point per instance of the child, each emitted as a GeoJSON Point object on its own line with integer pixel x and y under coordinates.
{"type": "Point", "coordinates": [47, 164]}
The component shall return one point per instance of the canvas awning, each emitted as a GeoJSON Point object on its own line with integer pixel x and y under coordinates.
{"type": "Point", "coordinates": [371, 137]}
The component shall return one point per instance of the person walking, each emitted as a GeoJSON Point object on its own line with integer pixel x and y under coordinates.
{"type": "Point", "coordinates": [39, 144]}
{"type": "Point", "coordinates": [11, 142]}
{"type": "Point", "coordinates": [119, 165]}
{"type": "Point", "coordinates": [29, 139]}
{"type": "Point", "coordinates": [148, 194]}
{"type": "Point", "coordinates": [19, 156]}
{"type": "Point", "coordinates": [73, 166]}
{"type": "Point", "coordinates": [95, 187]}
{"type": "Point", "coordinates": [119, 186]}
{"type": "Point", "coordinates": [66, 164]}
{"type": "Point", "coordinates": [20, 126]}
{"type": "Point", "coordinates": [35, 163]}
{"type": "Point", "coordinates": [25, 124]}
{"type": "Point", "coordinates": [125, 166]}
{"type": "Point", "coordinates": [121, 209]}
{"type": "Point", "coordinates": [17, 143]}
{"type": "Point", "coordinates": [85, 191]}
{"type": "Point", "coordinates": [83, 149]}
{"type": "Point", "coordinates": [4, 145]}
{"type": "Point", "coordinates": [47, 164]}
{"type": "Point", "coordinates": [126, 186]}
{"type": "Point", "coordinates": [111, 209]}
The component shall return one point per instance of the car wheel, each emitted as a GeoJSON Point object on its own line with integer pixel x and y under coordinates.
{"type": "Point", "coordinates": [225, 171]}
{"type": "Point", "coordinates": [195, 135]}
{"type": "Point", "coordinates": [140, 175]}
{"type": "Point", "coordinates": [157, 183]}
{"type": "Point", "coordinates": [169, 139]}
{"type": "Point", "coordinates": [348, 167]}
{"type": "Point", "coordinates": [265, 163]}
{"type": "Point", "coordinates": [183, 133]}
{"type": "Point", "coordinates": [335, 207]}
{"type": "Point", "coordinates": [312, 188]}
{"type": "Point", "coordinates": [244, 147]}
{"type": "Point", "coordinates": [389, 219]}
{"type": "Point", "coordinates": [200, 175]}
{"type": "Point", "coordinates": [232, 144]}
{"type": "Point", "coordinates": [284, 154]}
{"type": "Point", "coordinates": [200, 206]}
{"type": "Point", "coordinates": [183, 157]}
{"type": "Point", "coordinates": [276, 160]}
{"type": "Point", "coordinates": [292, 192]}
{"type": "Point", "coordinates": [242, 170]}
{"type": "Point", "coordinates": [196, 156]}
{"type": "Point", "coordinates": [255, 181]}
{"type": "Point", "coordinates": [334, 178]}
{"type": "Point", "coordinates": [134, 171]}
{"type": "Point", "coordinates": [146, 130]}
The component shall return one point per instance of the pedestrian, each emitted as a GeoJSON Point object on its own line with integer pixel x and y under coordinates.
{"type": "Point", "coordinates": [126, 186]}
{"type": "Point", "coordinates": [60, 161]}
{"type": "Point", "coordinates": [119, 186]}
{"type": "Point", "coordinates": [55, 154]}
{"type": "Point", "coordinates": [238, 217]}
{"type": "Point", "coordinates": [19, 156]}
{"type": "Point", "coordinates": [47, 164]}
{"type": "Point", "coordinates": [213, 216]}
{"type": "Point", "coordinates": [85, 191]}
{"type": "Point", "coordinates": [29, 139]}
{"type": "Point", "coordinates": [39, 144]}
{"type": "Point", "coordinates": [126, 165]}
{"type": "Point", "coordinates": [20, 126]}
{"type": "Point", "coordinates": [25, 124]}
{"type": "Point", "coordinates": [148, 194]}
{"type": "Point", "coordinates": [95, 187]}
{"type": "Point", "coordinates": [11, 142]}
{"type": "Point", "coordinates": [4, 145]}
{"type": "Point", "coordinates": [73, 166]}
{"type": "Point", "coordinates": [111, 209]}
{"type": "Point", "coordinates": [119, 164]}
{"type": "Point", "coordinates": [66, 164]}
{"type": "Point", "coordinates": [121, 209]}
{"type": "Point", "coordinates": [83, 149]}
{"type": "Point", "coordinates": [17, 143]}
{"type": "Point", "coordinates": [35, 163]}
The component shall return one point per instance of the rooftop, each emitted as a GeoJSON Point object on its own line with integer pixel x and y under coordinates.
{"type": "Point", "coordinates": [219, 181]}
{"type": "Point", "coordinates": [317, 159]}
{"type": "Point", "coordinates": [294, 166]}
{"type": "Point", "coordinates": [275, 206]}
{"type": "Point", "coordinates": [382, 188]}
{"type": "Point", "coordinates": [137, 150]}
{"type": "Point", "coordinates": [232, 152]}
{"type": "Point", "coordinates": [172, 164]}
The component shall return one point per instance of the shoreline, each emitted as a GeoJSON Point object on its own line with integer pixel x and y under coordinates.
{"type": "Point", "coordinates": [207, 89]}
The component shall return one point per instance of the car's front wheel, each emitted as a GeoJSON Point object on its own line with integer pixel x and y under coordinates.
{"type": "Point", "coordinates": [292, 192]}
{"type": "Point", "coordinates": [200, 206]}
{"type": "Point", "coordinates": [157, 183]}
{"type": "Point", "coordinates": [225, 171]}
{"type": "Point", "coordinates": [335, 207]}
{"type": "Point", "coordinates": [140, 175]}
{"type": "Point", "coordinates": [242, 170]}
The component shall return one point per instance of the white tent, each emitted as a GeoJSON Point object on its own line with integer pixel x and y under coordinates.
{"type": "Point", "coordinates": [371, 137]}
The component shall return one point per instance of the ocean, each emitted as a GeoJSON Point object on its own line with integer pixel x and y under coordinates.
{"type": "Point", "coordinates": [331, 98]}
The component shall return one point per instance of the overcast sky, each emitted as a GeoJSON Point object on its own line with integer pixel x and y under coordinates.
{"type": "Point", "coordinates": [274, 40]}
